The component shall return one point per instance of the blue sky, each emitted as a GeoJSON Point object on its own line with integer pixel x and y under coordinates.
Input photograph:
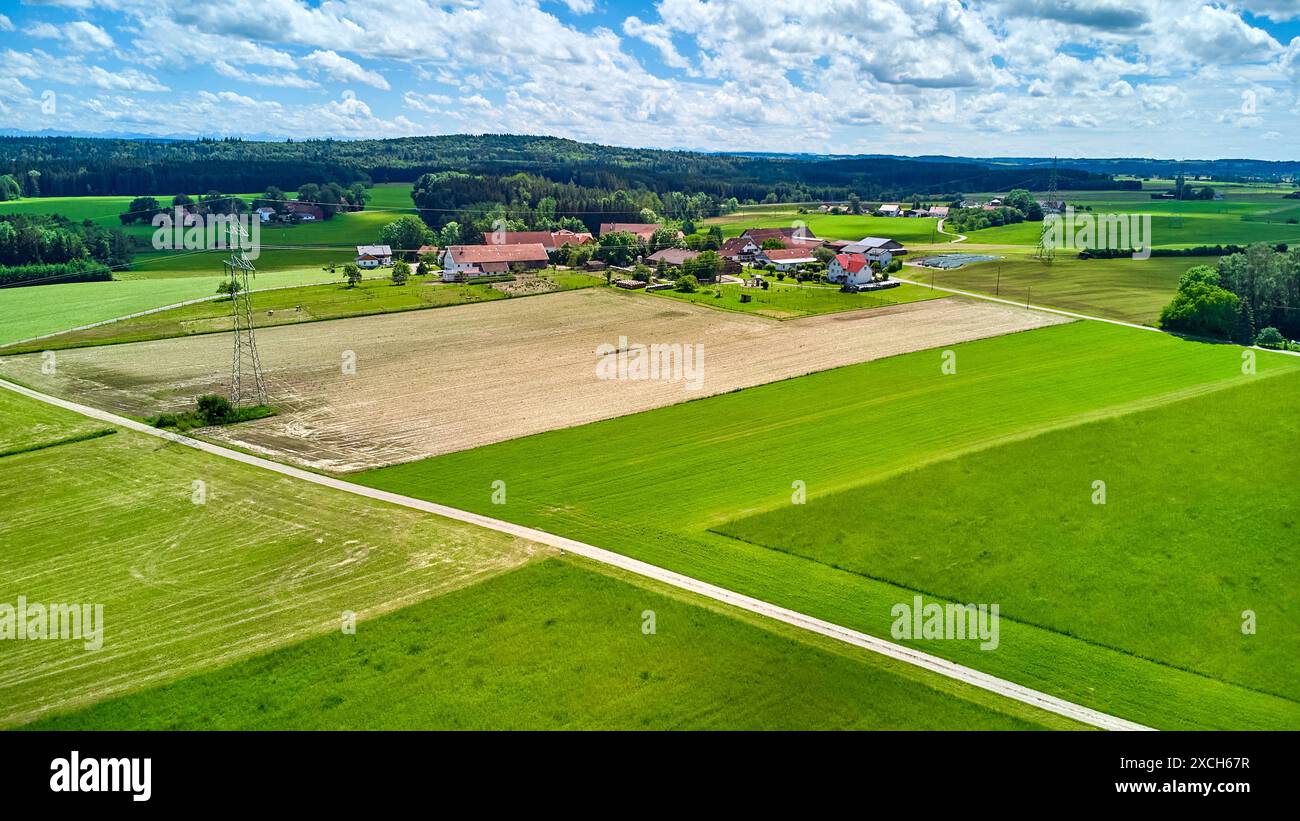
{"type": "Point", "coordinates": [1163, 78]}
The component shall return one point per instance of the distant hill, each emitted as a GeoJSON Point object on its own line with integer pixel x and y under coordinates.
{"type": "Point", "coordinates": [75, 165]}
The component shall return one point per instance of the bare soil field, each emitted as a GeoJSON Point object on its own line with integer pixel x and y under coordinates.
{"type": "Point", "coordinates": [432, 382]}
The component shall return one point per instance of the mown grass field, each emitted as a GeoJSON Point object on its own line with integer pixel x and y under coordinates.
{"type": "Point", "coordinates": [28, 424]}
{"type": "Point", "coordinates": [651, 485]}
{"type": "Point", "coordinates": [263, 561]}
{"type": "Point", "coordinates": [1180, 230]}
{"type": "Point", "coordinates": [1198, 526]}
{"type": "Point", "coordinates": [1126, 289]}
{"type": "Point", "coordinates": [844, 226]}
{"type": "Point", "coordinates": [44, 309]}
{"type": "Point", "coordinates": [557, 645]}
{"type": "Point", "coordinates": [790, 301]}
{"type": "Point", "coordinates": [290, 306]}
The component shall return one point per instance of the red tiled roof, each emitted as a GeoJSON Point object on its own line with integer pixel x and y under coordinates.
{"type": "Point", "coordinates": [787, 254]}
{"type": "Point", "coordinates": [645, 230]}
{"type": "Point", "coordinates": [851, 262]}
{"type": "Point", "coordinates": [550, 240]}
{"type": "Point", "coordinates": [484, 254]}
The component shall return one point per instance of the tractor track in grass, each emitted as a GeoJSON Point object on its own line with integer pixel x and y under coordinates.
{"type": "Point", "coordinates": [855, 638]}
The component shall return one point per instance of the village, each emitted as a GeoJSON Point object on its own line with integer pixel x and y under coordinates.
{"type": "Point", "coordinates": [653, 256]}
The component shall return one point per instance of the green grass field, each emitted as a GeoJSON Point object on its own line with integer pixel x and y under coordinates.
{"type": "Point", "coordinates": [228, 613]}
{"type": "Point", "coordinates": [29, 425]}
{"type": "Point", "coordinates": [45, 309]}
{"type": "Point", "coordinates": [555, 645]}
{"type": "Point", "coordinates": [905, 230]}
{"type": "Point", "coordinates": [1126, 289]}
{"type": "Point", "coordinates": [264, 560]}
{"type": "Point", "coordinates": [651, 485]}
{"type": "Point", "coordinates": [1179, 230]}
{"type": "Point", "coordinates": [1197, 526]}
{"type": "Point", "coordinates": [789, 301]}
{"type": "Point", "coordinates": [289, 306]}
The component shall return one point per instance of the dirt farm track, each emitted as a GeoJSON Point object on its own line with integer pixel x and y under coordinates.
{"type": "Point", "coordinates": [435, 381]}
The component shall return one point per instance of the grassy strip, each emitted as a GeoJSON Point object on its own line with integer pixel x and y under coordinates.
{"type": "Point", "coordinates": [788, 301]}
{"type": "Point", "coordinates": [67, 440]}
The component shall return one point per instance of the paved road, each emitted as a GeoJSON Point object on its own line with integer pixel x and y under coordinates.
{"type": "Point", "coordinates": [939, 228]}
{"type": "Point", "coordinates": [885, 648]}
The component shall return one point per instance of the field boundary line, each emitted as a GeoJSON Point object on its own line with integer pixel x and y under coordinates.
{"type": "Point", "coordinates": [880, 646]}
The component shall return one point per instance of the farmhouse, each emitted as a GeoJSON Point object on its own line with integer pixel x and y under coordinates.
{"type": "Point", "coordinates": [461, 261]}
{"type": "Point", "coordinates": [740, 249]}
{"type": "Point", "coordinates": [866, 244]}
{"type": "Point", "coordinates": [304, 212]}
{"type": "Point", "coordinates": [426, 249]}
{"type": "Point", "coordinates": [940, 211]}
{"type": "Point", "coordinates": [644, 230]}
{"type": "Point", "coordinates": [373, 256]}
{"type": "Point", "coordinates": [552, 241]}
{"type": "Point", "coordinates": [786, 259]}
{"type": "Point", "coordinates": [674, 257]}
{"type": "Point", "coordinates": [266, 213]}
{"type": "Point", "coordinates": [799, 237]}
{"type": "Point", "coordinates": [890, 209]}
{"type": "Point", "coordinates": [854, 269]}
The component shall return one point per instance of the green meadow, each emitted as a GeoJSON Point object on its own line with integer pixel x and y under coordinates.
{"type": "Point", "coordinates": [288, 306]}
{"type": "Point", "coordinates": [789, 301]}
{"type": "Point", "coordinates": [292, 255]}
{"type": "Point", "coordinates": [225, 588]}
{"type": "Point", "coordinates": [197, 560]}
{"type": "Point", "coordinates": [1125, 289]}
{"type": "Point", "coordinates": [653, 484]}
{"type": "Point", "coordinates": [31, 425]}
{"type": "Point", "coordinates": [558, 645]}
{"type": "Point", "coordinates": [1195, 527]}
{"type": "Point", "coordinates": [45, 309]}
{"type": "Point", "coordinates": [831, 226]}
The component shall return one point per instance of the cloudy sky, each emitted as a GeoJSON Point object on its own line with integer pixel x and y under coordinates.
{"type": "Point", "coordinates": [1162, 78]}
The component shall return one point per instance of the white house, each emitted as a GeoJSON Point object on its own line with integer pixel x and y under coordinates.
{"type": "Point", "coordinates": [890, 209]}
{"type": "Point", "coordinates": [373, 256]}
{"type": "Point", "coordinates": [266, 214]}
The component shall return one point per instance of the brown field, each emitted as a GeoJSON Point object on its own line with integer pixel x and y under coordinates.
{"type": "Point", "coordinates": [432, 382]}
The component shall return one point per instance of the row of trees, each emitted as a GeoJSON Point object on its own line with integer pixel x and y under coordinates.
{"type": "Point", "coordinates": [330, 197]}
{"type": "Point", "coordinates": [53, 240]}
{"type": "Point", "coordinates": [1247, 297]}
{"type": "Point", "coordinates": [1017, 206]}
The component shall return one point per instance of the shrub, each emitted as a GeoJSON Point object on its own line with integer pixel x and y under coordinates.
{"type": "Point", "coordinates": [1271, 338]}
{"type": "Point", "coordinates": [1201, 309]}
{"type": "Point", "coordinates": [687, 284]}
{"type": "Point", "coordinates": [215, 410]}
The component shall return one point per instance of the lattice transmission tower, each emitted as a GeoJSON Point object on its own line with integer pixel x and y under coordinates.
{"type": "Point", "coordinates": [1047, 249]}
{"type": "Point", "coordinates": [247, 385]}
